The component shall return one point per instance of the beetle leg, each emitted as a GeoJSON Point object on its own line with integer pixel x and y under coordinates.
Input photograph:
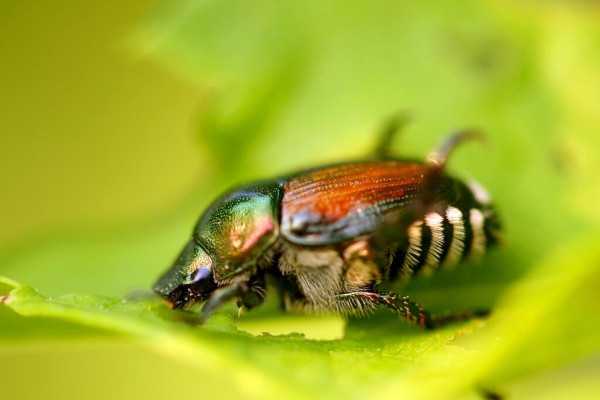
{"type": "Point", "coordinates": [416, 314]}
{"type": "Point", "coordinates": [405, 308]}
{"type": "Point", "coordinates": [437, 158]}
{"type": "Point", "coordinates": [248, 295]}
{"type": "Point", "coordinates": [441, 320]}
{"type": "Point", "coordinates": [412, 311]}
{"type": "Point", "coordinates": [255, 295]}
{"type": "Point", "coordinates": [389, 131]}
{"type": "Point", "coordinates": [222, 296]}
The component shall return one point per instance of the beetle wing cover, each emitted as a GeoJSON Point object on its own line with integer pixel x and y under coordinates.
{"type": "Point", "coordinates": [338, 203]}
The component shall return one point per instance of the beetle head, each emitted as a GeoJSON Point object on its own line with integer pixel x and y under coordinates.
{"type": "Point", "coordinates": [189, 280]}
{"type": "Point", "coordinates": [228, 241]}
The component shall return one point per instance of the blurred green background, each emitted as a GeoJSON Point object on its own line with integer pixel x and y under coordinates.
{"type": "Point", "coordinates": [121, 121]}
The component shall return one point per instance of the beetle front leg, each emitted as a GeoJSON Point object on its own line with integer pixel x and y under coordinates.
{"type": "Point", "coordinates": [247, 294]}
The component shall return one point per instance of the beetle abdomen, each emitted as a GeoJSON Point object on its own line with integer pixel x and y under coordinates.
{"type": "Point", "coordinates": [442, 240]}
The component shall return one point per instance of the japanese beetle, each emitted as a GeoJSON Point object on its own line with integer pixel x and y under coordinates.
{"type": "Point", "coordinates": [331, 235]}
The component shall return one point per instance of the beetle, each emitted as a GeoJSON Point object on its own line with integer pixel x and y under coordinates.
{"type": "Point", "coordinates": [331, 236]}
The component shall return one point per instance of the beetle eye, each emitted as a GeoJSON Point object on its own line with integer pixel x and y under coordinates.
{"type": "Point", "coordinates": [201, 274]}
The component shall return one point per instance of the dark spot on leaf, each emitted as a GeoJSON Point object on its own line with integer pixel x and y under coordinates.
{"type": "Point", "coordinates": [491, 395]}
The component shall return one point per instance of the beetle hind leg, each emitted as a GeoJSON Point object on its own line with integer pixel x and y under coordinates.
{"type": "Point", "coordinates": [441, 320]}
{"type": "Point", "coordinates": [401, 305]}
{"type": "Point", "coordinates": [392, 127]}
{"type": "Point", "coordinates": [447, 144]}
{"type": "Point", "coordinates": [409, 310]}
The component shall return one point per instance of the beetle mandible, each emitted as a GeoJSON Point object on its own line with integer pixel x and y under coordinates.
{"type": "Point", "coordinates": [331, 235]}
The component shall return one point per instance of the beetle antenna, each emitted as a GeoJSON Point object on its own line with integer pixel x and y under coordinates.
{"type": "Point", "coordinates": [392, 127]}
{"type": "Point", "coordinates": [437, 158]}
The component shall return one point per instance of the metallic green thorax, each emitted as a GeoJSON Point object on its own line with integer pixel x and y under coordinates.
{"type": "Point", "coordinates": [238, 228]}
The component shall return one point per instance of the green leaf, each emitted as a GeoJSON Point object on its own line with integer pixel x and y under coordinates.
{"type": "Point", "coordinates": [380, 356]}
